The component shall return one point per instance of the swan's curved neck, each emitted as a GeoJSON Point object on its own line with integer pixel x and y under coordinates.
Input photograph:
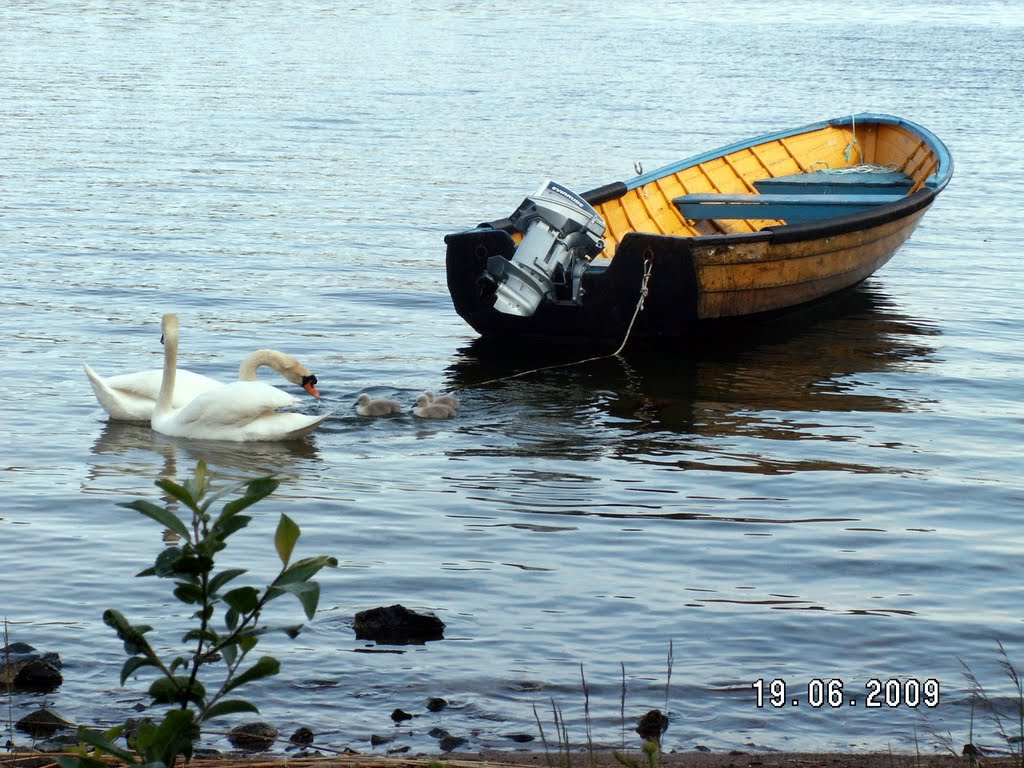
{"type": "Point", "coordinates": [268, 357]}
{"type": "Point", "coordinates": [169, 326]}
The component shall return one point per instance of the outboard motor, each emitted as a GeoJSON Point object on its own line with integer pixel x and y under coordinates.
{"type": "Point", "coordinates": [562, 233]}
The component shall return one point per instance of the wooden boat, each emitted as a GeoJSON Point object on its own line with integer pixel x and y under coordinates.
{"type": "Point", "coordinates": [757, 227]}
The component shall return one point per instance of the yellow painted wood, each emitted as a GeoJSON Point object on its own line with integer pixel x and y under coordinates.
{"type": "Point", "coordinates": [649, 208]}
{"type": "Point", "coordinates": [759, 277]}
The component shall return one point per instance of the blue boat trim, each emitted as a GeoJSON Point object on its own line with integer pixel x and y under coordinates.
{"type": "Point", "coordinates": [846, 182]}
{"type": "Point", "coordinates": [789, 207]}
{"type": "Point", "coordinates": [945, 160]}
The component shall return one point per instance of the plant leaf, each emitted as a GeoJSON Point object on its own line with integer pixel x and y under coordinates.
{"type": "Point", "coordinates": [226, 491]}
{"type": "Point", "coordinates": [165, 517]}
{"type": "Point", "coordinates": [166, 562]}
{"type": "Point", "coordinates": [132, 664]}
{"type": "Point", "coordinates": [255, 490]}
{"type": "Point", "coordinates": [197, 487]}
{"type": "Point", "coordinates": [223, 529]}
{"type": "Point", "coordinates": [223, 578]}
{"type": "Point", "coordinates": [161, 744]}
{"type": "Point", "coordinates": [102, 741]}
{"type": "Point", "coordinates": [305, 569]}
{"type": "Point", "coordinates": [230, 653]}
{"type": "Point", "coordinates": [133, 637]}
{"type": "Point", "coordinates": [188, 593]}
{"type": "Point", "coordinates": [254, 633]}
{"type": "Point", "coordinates": [243, 599]}
{"type": "Point", "coordinates": [266, 666]}
{"type": "Point", "coordinates": [229, 707]}
{"type": "Point", "coordinates": [182, 493]}
{"type": "Point", "coordinates": [308, 593]}
{"type": "Point", "coordinates": [285, 537]}
{"type": "Point", "coordinates": [206, 635]}
{"type": "Point", "coordinates": [167, 690]}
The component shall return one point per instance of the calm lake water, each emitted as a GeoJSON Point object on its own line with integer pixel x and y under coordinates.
{"type": "Point", "coordinates": [838, 496]}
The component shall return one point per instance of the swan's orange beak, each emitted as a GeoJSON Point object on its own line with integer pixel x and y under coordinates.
{"type": "Point", "coordinates": [309, 384]}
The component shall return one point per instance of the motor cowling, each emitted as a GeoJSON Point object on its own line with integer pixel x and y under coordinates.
{"type": "Point", "coordinates": [561, 233]}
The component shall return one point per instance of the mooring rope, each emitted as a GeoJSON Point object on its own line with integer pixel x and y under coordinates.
{"type": "Point", "coordinates": [644, 289]}
{"type": "Point", "coordinates": [860, 168]}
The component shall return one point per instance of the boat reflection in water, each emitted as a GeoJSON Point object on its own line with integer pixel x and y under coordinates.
{"type": "Point", "coordinates": [780, 381]}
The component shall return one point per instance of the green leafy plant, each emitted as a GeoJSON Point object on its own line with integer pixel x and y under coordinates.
{"type": "Point", "coordinates": [198, 582]}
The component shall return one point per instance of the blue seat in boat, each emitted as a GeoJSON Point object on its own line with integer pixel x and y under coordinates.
{"type": "Point", "coordinates": [792, 207]}
{"type": "Point", "coordinates": [840, 181]}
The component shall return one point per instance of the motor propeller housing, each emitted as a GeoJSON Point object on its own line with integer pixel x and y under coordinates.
{"type": "Point", "coordinates": [562, 232]}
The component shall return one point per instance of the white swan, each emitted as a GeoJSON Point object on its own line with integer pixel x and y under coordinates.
{"type": "Point", "coordinates": [240, 411]}
{"type": "Point", "coordinates": [450, 400]}
{"type": "Point", "coordinates": [428, 410]}
{"type": "Point", "coordinates": [131, 396]}
{"type": "Point", "coordinates": [366, 406]}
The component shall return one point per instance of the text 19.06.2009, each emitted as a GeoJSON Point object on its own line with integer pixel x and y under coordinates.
{"type": "Point", "coordinates": [819, 692]}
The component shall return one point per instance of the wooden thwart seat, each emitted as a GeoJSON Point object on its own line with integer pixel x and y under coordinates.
{"type": "Point", "coordinates": [793, 208]}
{"type": "Point", "coordinates": [839, 182]}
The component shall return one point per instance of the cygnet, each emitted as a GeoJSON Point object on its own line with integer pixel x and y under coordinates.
{"type": "Point", "coordinates": [450, 400]}
{"type": "Point", "coordinates": [366, 406]}
{"type": "Point", "coordinates": [428, 410]}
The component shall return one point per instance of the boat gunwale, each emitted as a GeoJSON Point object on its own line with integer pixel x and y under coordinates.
{"type": "Point", "coordinates": [784, 233]}
{"type": "Point", "coordinates": [779, 233]}
{"type": "Point", "coordinates": [943, 156]}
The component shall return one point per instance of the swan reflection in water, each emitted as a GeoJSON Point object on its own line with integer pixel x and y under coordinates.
{"type": "Point", "coordinates": [144, 455]}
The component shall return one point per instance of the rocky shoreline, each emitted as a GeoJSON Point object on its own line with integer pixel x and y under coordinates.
{"type": "Point", "coordinates": [575, 759]}
{"type": "Point", "coordinates": [259, 744]}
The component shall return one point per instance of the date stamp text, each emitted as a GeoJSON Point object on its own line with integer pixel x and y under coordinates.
{"type": "Point", "coordinates": [832, 693]}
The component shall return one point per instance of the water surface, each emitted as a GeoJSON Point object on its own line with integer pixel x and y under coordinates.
{"type": "Point", "coordinates": [835, 496]}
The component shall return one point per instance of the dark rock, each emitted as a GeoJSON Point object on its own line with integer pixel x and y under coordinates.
{"type": "Point", "coordinates": [449, 742]}
{"type": "Point", "coordinates": [24, 668]}
{"type": "Point", "coordinates": [43, 723]}
{"type": "Point", "coordinates": [436, 705]}
{"type": "Point", "coordinates": [253, 737]}
{"type": "Point", "coordinates": [376, 741]}
{"type": "Point", "coordinates": [63, 741]}
{"type": "Point", "coordinates": [398, 750]}
{"type": "Point", "coordinates": [17, 648]}
{"type": "Point", "coordinates": [400, 715]}
{"type": "Point", "coordinates": [652, 725]}
{"type": "Point", "coordinates": [397, 625]}
{"type": "Point", "coordinates": [302, 737]}
{"type": "Point", "coordinates": [519, 738]}
{"type": "Point", "coordinates": [445, 740]}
